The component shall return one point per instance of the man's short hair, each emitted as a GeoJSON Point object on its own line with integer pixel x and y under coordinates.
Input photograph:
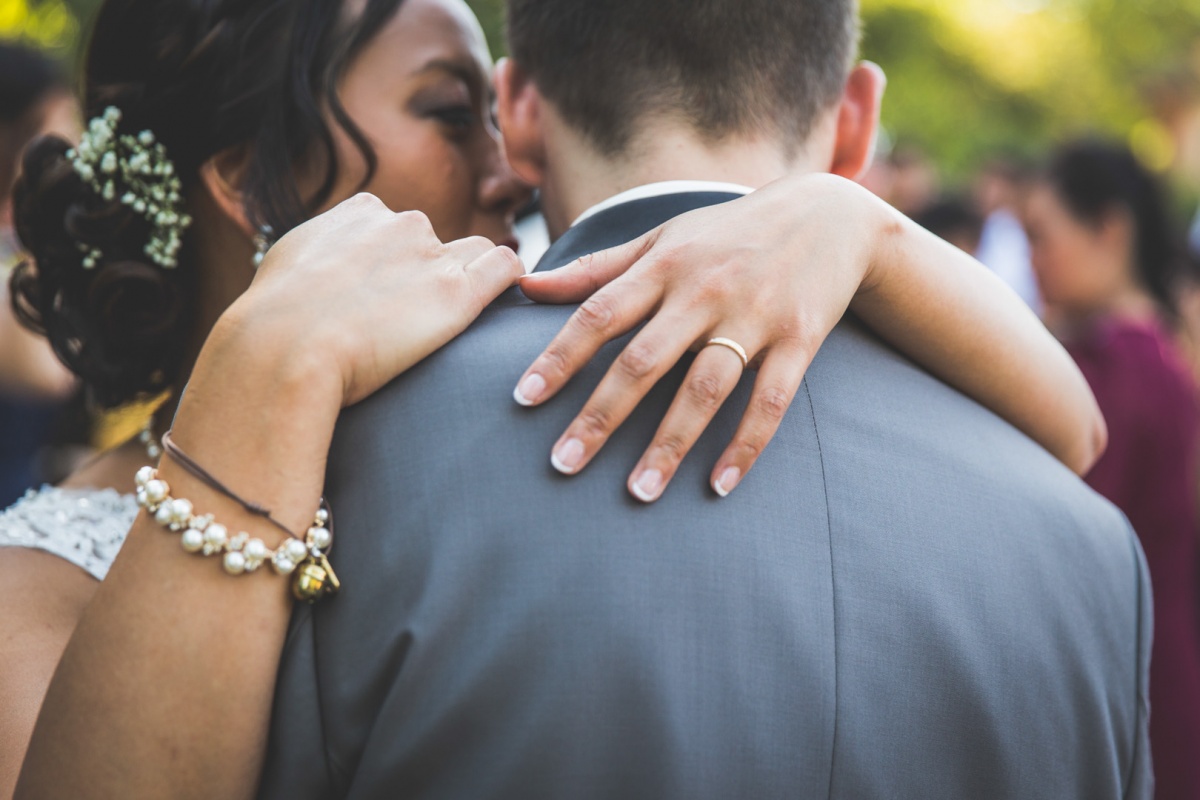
{"type": "Point", "coordinates": [727, 67]}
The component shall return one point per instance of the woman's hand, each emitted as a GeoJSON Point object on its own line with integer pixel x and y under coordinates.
{"type": "Point", "coordinates": [366, 293]}
{"type": "Point", "coordinates": [735, 271]}
{"type": "Point", "coordinates": [775, 271]}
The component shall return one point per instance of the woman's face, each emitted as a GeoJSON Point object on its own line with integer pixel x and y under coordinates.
{"type": "Point", "coordinates": [420, 91]}
{"type": "Point", "coordinates": [1078, 268]}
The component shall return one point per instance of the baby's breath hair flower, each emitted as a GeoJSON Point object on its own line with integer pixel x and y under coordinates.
{"type": "Point", "coordinates": [136, 167]}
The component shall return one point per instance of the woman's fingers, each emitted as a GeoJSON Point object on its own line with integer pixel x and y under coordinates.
{"type": "Point", "coordinates": [611, 312]}
{"type": "Point", "coordinates": [780, 376]}
{"type": "Point", "coordinates": [712, 377]}
{"type": "Point", "coordinates": [489, 274]}
{"type": "Point", "coordinates": [649, 356]}
{"type": "Point", "coordinates": [584, 276]}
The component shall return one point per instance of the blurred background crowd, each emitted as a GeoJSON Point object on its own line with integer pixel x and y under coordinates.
{"type": "Point", "coordinates": [1056, 140]}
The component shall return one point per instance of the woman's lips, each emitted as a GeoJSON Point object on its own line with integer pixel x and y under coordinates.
{"type": "Point", "coordinates": [511, 243]}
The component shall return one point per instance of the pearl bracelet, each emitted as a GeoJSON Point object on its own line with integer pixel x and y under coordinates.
{"type": "Point", "coordinates": [305, 560]}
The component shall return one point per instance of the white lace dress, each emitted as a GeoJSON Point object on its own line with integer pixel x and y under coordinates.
{"type": "Point", "coordinates": [85, 526]}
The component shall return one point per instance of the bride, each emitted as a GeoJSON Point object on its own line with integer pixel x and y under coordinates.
{"type": "Point", "coordinates": [252, 118]}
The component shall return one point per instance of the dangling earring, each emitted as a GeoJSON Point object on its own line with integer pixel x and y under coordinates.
{"type": "Point", "coordinates": [146, 437]}
{"type": "Point", "coordinates": [262, 243]}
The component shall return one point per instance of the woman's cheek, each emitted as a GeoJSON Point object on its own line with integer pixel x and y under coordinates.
{"type": "Point", "coordinates": [449, 193]}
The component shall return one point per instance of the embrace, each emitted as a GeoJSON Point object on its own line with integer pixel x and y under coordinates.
{"type": "Point", "coordinates": [750, 489]}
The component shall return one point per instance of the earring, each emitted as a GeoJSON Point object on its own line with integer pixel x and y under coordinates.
{"type": "Point", "coordinates": [146, 437]}
{"type": "Point", "coordinates": [262, 243]}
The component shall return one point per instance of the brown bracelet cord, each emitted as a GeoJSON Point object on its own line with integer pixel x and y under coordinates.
{"type": "Point", "coordinates": [314, 577]}
{"type": "Point", "coordinates": [204, 476]}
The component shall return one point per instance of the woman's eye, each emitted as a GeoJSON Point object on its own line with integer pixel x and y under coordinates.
{"type": "Point", "coordinates": [457, 117]}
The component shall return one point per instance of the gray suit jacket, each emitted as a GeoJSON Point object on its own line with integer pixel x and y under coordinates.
{"type": "Point", "coordinates": [906, 598]}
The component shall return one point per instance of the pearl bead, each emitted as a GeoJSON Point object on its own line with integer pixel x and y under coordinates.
{"type": "Point", "coordinates": [157, 491]}
{"type": "Point", "coordinates": [295, 550]}
{"type": "Point", "coordinates": [144, 475]}
{"type": "Point", "coordinates": [235, 563]}
{"type": "Point", "coordinates": [192, 540]}
{"type": "Point", "coordinates": [143, 499]}
{"type": "Point", "coordinates": [319, 538]}
{"type": "Point", "coordinates": [182, 509]}
{"type": "Point", "coordinates": [216, 535]}
{"type": "Point", "coordinates": [283, 565]}
{"type": "Point", "coordinates": [322, 516]}
{"type": "Point", "coordinates": [255, 550]}
{"type": "Point", "coordinates": [164, 515]}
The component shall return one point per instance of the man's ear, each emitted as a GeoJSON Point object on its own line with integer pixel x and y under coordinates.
{"type": "Point", "coordinates": [519, 112]}
{"type": "Point", "coordinates": [223, 176]}
{"type": "Point", "coordinates": [858, 121]}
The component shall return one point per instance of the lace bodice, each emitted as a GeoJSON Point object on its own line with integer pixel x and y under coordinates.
{"type": "Point", "coordinates": [85, 526]}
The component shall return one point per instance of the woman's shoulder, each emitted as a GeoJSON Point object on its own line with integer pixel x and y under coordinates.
{"type": "Point", "coordinates": [84, 526]}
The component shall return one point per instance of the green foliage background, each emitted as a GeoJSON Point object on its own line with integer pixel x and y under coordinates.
{"type": "Point", "coordinates": [967, 78]}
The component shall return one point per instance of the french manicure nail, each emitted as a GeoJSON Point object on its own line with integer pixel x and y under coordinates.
{"type": "Point", "coordinates": [728, 481]}
{"type": "Point", "coordinates": [568, 456]}
{"type": "Point", "coordinates": [648, 486]}
{"type": "Point", "coordinates": [530, 389]}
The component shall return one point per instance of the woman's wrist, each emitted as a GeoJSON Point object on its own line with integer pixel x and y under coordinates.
{"type": "Point", "coordinates": [885, 230]}
{"type": "Point", "coordinates": [259, 414]}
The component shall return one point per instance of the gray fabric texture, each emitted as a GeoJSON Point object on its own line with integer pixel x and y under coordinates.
{"type": "Point", "coordinates": [906, 598]}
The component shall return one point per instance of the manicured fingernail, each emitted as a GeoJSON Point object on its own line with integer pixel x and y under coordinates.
{"type": "Point", "coordinates": [567, 457]}
{"type": "Point", "coordinates": [648, 486]}
{"type": "Point", "coordinates": [728, 481]}
{"type": "Point", "coordinates": [530, 389]}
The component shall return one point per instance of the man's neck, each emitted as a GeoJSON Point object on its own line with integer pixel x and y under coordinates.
{"type": "Point", "coordinates": [579, 178]}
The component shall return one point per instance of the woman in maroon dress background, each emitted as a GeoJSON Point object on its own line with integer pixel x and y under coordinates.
{"type": "Point", "coordinates": [1102, 247]}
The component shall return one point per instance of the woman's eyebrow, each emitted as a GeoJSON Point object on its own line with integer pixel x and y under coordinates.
{"type": "Point", "coordinates": [467, 73]}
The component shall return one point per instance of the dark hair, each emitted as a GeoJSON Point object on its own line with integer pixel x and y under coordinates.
{"type": "Point", "coordinates": [26, 79]}
{"type": "Point", "coordinates": [1095, 178]}
{"type": "Point", "coordinates": [205, 76]}
{"type": "Point", "coordinates": [726, 66]}
{"type": "Point", "coordinates": [952, 216]}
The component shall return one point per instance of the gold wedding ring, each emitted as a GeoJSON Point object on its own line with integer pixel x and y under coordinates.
{"type": "Point", "coordinates": [730, 344]}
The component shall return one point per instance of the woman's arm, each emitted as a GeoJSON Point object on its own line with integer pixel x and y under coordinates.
{"type": "Point", "coordinates": [165, 688]}
{"type": "Point", "coordinates": [43, 599]}
{"type": "Point", "coordinates": [775, 271]}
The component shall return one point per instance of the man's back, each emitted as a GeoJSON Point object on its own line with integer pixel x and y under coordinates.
{"type": "Point", "coordinates": [906, 598]}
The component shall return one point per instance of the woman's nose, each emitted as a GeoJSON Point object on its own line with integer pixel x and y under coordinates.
{"type": "Point", "coordinates": [502, 191]}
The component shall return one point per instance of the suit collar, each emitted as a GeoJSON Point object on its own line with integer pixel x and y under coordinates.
{"type": "Point", "coordinates": [624, 222]}
{"type": "Point", "coordinates": [660, 188]}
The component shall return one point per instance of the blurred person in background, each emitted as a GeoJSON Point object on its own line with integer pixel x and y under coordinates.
{"type": "Point", "coordinates": [955, 219]}
{"type": "Point", "coordinates": [1105, 255]}
{"type": "Point", "coordinates": [914, 182]}
{"type": "Point", "coordinates": [1003, 247]}
{"type": "Point", "coordinates": [34, 100]}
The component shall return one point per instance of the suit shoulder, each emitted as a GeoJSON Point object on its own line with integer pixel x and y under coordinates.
{"type": "Point", "coordinates": [898, 436]}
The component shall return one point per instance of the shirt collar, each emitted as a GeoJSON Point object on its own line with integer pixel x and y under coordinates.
{"type": "Point", "coordinates": [662, 188]}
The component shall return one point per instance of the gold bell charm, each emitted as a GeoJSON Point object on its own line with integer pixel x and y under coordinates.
{"type": "Point", "coordinates": [314, 579]}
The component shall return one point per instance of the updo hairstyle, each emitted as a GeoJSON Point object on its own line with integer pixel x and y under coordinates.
{"type": "Point", "coordinates": [204, 76]}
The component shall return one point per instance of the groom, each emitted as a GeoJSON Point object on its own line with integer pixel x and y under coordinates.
{"type": "Point", "coordinates": [907, 598]}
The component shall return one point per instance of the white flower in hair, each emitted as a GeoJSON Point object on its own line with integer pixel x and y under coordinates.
{"type": "Point", "coordinates": [139, 165]}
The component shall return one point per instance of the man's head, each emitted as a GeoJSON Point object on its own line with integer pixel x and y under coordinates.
{"type": "Point", "coordinates": [619, 77]}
